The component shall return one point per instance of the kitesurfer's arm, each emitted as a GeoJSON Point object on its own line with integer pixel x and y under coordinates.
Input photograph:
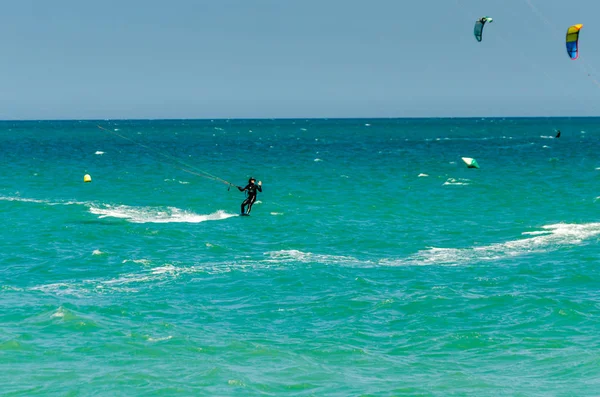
{"type": "Point", "coordinates": [241, 189]}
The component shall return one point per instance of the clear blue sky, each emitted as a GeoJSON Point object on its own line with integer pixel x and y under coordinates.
{"type": "Point", "coordinates": [74, 59]}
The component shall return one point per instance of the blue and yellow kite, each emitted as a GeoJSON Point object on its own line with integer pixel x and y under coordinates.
{"type": "Point", "coordinates": [573, 41]}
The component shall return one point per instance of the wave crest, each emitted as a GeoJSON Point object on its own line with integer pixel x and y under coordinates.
{"type": "Point", "coordinates": [549, 239]}
{"type": "Point", "coordinates": [156, 215]}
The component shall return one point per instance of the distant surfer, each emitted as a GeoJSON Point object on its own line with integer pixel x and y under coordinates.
{"type": "Point", "coordinates": [558, 135]}
{"type": "Point", "coordinates": [251, 190]}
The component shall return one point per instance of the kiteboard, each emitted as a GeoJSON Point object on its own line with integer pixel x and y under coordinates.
{"type": "Point", "coordinates": [244, 214]}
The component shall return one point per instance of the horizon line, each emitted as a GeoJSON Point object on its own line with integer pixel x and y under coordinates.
{"type": "Point", "coordinates": [297, 118]}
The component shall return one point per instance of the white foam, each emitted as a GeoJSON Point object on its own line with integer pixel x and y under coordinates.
{"type": "Point", "coordinates": [456, 182]}
{"type": "Point", "coordinates": [151, 339]}
{"type": "Point", "coordinates": [59, 313]}
{"type": "Point", "coordinates": [537, 233]}
{"type": "Point", "coordinates": [276, 213]}
{"type": "Point", "coordinates": [58, 289]}
{"type": "Point", "coordinates": [127, 283]}
{"type": "Point", "coordinates": [127, 279]}
{"type": "Point", "coordinates": [158, 275]}
{"type": "Point", "coordinates": [422, 175]}
{"type": "Point", "coordinates": [175, 180]}
{"type": "Point", "coordinates": [546, 137]}
{"type": "Point", "coordinates": [236, 382]}
{"type": "Point", "coordinates": [549, 239]}
{"type": "Point", "coordinates": [139, 261]}
{"type": "Point", "coordinates": [10, 288]}
{"type": "Point", "coordinates": [318, 160]}
{"type": "Point", "coordinates": [170, 269]}
{"type": "Point", "coordinates": [97, 252]}
{"type": "Point", "coordinates": [306, 257]}
{"type": "Point", "coordinates": [153, 275]}
{"type": "Point", "coordinates": [156, 215]}
{"type": "Point", "coordinates": [23, 200]}
{"type": "Point", "coordinates": [37, 201]}
{"type": "Point", "coordinates": [99, 152]}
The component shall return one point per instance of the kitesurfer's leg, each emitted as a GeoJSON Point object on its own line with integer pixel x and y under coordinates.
{"type": "Point", "coordinates": [244, 203]}
{"type": "Point", "coordinates": [251, 200]}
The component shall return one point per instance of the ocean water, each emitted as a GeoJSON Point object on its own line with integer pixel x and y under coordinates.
{"type": "Point", "coordinates": [374, 262]}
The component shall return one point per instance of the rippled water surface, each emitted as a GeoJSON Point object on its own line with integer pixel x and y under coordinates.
{"type": "Point", "coordinates": [374, 262]}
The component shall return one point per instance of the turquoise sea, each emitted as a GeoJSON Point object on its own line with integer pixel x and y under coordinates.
{"type": "Point", "coordinates": [375, 263]}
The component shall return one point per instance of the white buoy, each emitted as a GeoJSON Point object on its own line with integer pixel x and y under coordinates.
{"type": "Point", "coordinates": [471, 163]}
{"type": "Point", "coordinates": [87, 178]}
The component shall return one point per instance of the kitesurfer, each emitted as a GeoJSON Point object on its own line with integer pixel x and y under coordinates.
{"type": "Point", "coordinates": [558, 135]}
{"type": "Point", "coordinates": [251, 188]}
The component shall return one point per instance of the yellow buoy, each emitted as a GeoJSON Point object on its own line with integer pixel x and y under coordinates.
{"type": "Point", "coordinates": [87, 178]}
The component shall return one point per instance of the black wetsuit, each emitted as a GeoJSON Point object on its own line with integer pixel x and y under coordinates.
{"type": "Point", "coordinates": [251, 188]}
